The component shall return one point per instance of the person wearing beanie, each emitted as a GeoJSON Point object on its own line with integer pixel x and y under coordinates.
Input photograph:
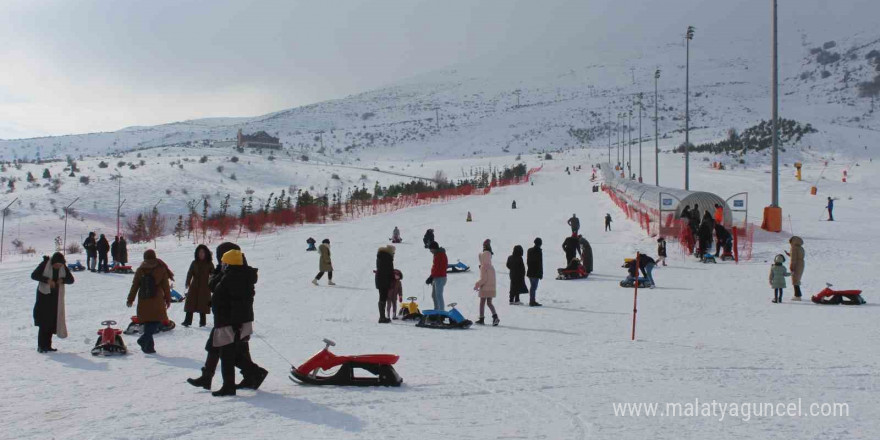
{"type": "Point", "coordinates": [324, 263]}
{"type": "Point", "coordinates": [49, 311]}
{"type": "Point", "coordinates": [151, 287]}
{"type": "Point", "coordinates": [384, 278]}
{"type": "Point", "coordinates": [253, 374]}
{"type": "Point", "coordinates": [487, 246]}
{"type": "Point", "coordinates": [437, 280]}
{"type": "Point", "coordinates": [535, 272]}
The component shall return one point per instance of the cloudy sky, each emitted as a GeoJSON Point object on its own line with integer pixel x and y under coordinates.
{"type": "Point", "coordinates": [75, 66]}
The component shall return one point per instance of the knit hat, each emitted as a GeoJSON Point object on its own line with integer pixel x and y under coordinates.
{"type": "Point", "coordinates": [325, 241]}
{"type": "Point", "coordinates": [434, 246]}
{"type": "Point", "coordinates": [233, 257]}
{"type": "Point", "coordinates": [149, 254]}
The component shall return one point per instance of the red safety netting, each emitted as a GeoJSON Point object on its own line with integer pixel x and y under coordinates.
{"type": "Point", "coordinates": [206, 231]}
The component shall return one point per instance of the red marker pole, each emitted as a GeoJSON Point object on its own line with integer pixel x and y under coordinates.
{"type": "Point", "coordinates": [635, 298]}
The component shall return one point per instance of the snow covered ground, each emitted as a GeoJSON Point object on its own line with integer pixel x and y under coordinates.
{"type": "Point", "coordinates": [708, 332]}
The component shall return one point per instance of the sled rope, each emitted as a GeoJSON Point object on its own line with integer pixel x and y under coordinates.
{"type": "Point", "coordinates": [273, 348]}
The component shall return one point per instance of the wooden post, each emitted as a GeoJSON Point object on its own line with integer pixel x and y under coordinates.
{"type": "Point", "coordinates": [635, 298]}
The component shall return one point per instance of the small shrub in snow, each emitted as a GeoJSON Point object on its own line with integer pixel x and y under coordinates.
{"type": "Point", "coordinates": [548, 156]}
{"type": "Point", "coordinates": [84, 180]}
{"type": "Point", "coordinates": [203, 159]}
{"type": "Point", "coordinates": [234, 159]}
{"type": "Point", "coordinates": [102, 164]}
{"type": "Point", "coordinates": [232, 176]}
{"type": "Point", "coordinates": [219, 168]}
{"type": "Point", "coordinates": [73, 248]}
{"type": "Point", "coordinates": [184, 191]}
{"type": "Point", "coordinates": [168, 192]}
{"type": "Point", "coordinates": [334, 176]}
{"type": "Point", "coordinates": [47, 174]}
{"type": "Point", "coordinates": [120, 164]}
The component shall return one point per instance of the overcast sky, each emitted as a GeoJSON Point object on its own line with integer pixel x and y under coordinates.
{"type": "Point", "coordinates": [75, 66]}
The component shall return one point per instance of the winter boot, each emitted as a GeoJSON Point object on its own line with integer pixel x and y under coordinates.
{"type": "Point", "coordinates": [534, 304]}
{"type": "Point", "coordinates": [204, 380]}
{"type": "Point", "coordinates": [227, 369]}
{"type": "Point", "coordinates": [203, 320]}
{"type": "Point", "coordinates": [495, 320]}
{"type": "Point", "coordinates": [188, 320]}
{"type": "Point", "coordinates": [481, 321]}
{"type": "Point", "coordinates": [315, 281]}
{"type": "Point", "coordinates": [330, 283]}
{"type": "Point", "coordinates": [226, 390]}
{"type": "Point", "coordinates": [382, 318]}
{"type": "Point", "coordinates": [254, 380]}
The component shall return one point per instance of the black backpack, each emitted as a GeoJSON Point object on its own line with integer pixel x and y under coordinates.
{"type": "Point", "coordinates": [147, 288]}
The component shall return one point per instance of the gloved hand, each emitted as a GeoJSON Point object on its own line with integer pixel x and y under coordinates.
{"type": "Point", "coordinates": [429, 280]}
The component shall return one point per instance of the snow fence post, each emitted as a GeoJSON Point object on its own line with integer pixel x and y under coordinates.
{"type": "Point", "coordinates": [735, 245]}
{"type": "Point", "coordinates": [635, 298]}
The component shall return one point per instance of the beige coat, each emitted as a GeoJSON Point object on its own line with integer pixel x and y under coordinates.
{"type": "Point", "coordinates": [152, 309]}
{"type": "Point", "coordinates": [324, 263]}
{"type": "Point", "coordinates": [797, 260]}
{"type": "Point", "coordinates": [486, 284]}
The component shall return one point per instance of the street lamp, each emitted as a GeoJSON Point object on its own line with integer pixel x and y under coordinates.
{"type": "Point", "coordinates": [656, 133]}
{"type": "Point", "coordinates": [687, 140]}
{"type": "Point", "coordinates": [773, 213]}
{"type": "Point", "coordinates": [640, 136]}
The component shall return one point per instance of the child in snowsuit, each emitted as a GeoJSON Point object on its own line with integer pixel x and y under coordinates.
{"type": "Point", "coordinates": [661, 251]}
{"type": "Point", "coordinates": [607, 222]}
{"type": "Point", "coordinates": [778, 272]}
{"type": "Point", "coordinates": [395, 295]}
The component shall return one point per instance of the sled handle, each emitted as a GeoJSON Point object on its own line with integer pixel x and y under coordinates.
{"type": "Point", "coordinates": [412, 298]}
{"type": "Point", "coordinates": [108, 323]}
{"type": "Point", "coordinates": [329, 343]}
{"type": "Point", "coordinates": [452, 305]}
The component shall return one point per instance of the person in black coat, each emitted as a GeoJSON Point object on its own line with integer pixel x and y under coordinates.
{"type": "Point", "coordinates": [428, 238]}
{"type": "Point", "coordinates": [114, 250]}
{"type": "Point", "coordinates": [706, 228]}
{"type": "Point", "coordinates": [91, 247]}
{"type": "Point", "coordinates": [52, 274]}
{"type": "Point", "coordinates": [122, 251]}
{"type": "Point", "coordinates": [252, 373]}
{"type": "Point", "coordinates": [535, 272]}
{"type": "Point", "coordinates": [384, 278]}
{"type": "Point", "coordinates": [517, 274]}
{"type": "Point", "coordinates": [722, 240]}
{"type": "Point", "coordinates": [103, 247]}
{"type": "Point", "coordinates": [570, 246]}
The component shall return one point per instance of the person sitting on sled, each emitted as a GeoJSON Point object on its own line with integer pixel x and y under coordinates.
{"type": "Point", "coordinates": [311, 242]}
{"type": "Point", "coordinates": [395, 236]}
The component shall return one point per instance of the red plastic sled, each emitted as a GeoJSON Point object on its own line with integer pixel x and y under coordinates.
{"type": "Point", "coordinates": [834, 297]}
{"type": "Point", "coordinates": [379, 365]}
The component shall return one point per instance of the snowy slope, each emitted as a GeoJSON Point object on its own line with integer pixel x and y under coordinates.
{"type": "Point", "coordinates": [707, 332]}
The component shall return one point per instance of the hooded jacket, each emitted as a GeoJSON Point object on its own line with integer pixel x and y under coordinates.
{"type": "Point", "coordinates": [385, 268]}
{"type": "Point", "coordinates": [198, 296]}
{"type": "Point", "coordinates": [152, 309]}
{"type": "Point", "coordinates": [797, 260]}
{"type": "Point", "coordinates": [486, 284]}
{"type": "Point", "coordinates": [777, 276]}
{"type": "Point", "coordinates": [324, 262]}
{"type": "Point", "coordinates": [517, 271]}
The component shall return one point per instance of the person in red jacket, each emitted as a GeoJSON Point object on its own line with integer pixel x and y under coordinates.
{"type": "Point", "coordinates": [719, 214]}
{"type": "Point", "coordinates": [437, 280]}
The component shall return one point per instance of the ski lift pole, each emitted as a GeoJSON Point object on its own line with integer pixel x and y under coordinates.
{"type": "Point", "coordinates": [635, 298]}
{"type": "Point", "coordinates": [3, 228]}
{"type": "Point", "coordinates": [66, 214]}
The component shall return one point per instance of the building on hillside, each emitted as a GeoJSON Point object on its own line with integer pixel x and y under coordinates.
{"type": "Point", "coordinates": [260, 139]}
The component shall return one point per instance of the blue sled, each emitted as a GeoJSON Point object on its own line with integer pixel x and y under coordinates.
{"type": "Point", "coordinates": [443, 319]}
{"type": "Point", "coordinates": [176, 297]}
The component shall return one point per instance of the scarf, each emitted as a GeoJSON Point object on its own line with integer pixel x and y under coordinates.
{"type": "Point", "coordinates": [61, 323]}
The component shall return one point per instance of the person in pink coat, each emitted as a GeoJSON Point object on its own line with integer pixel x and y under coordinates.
{"type": "Point", "coordinates": [485, 286]}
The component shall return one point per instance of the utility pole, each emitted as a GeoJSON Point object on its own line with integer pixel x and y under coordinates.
{"type": "Point", "coordinates": [640, 137]}
{"type": "Point", "coordinates": [656, 132]}
{"type": "Point", "coordinates": [629, 163]}
{"type": "Point", "coordinates": [3, 228]}
{"type": "Point", "coordinates": [609, 136]}
{"type": "Point", "coordinates": [119, 200]}
{"type": "Point", "coordinates": [774, 201]}
{"type": "Point", "coordinates": [517, 93]}
{"type": "Point", "coordinates": [687, 121]}
{"type": "Point", "coordinates": [66, 215]}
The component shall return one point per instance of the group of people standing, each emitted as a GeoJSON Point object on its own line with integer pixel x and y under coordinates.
{"type": "Point", "coordinates": [225, 290]}
{"type": "Point", "coordinates": [703, 227]}
{"type": "Point", "coordinates": [97, 250]}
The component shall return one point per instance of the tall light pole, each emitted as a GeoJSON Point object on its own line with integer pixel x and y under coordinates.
{"type": "Point", "coordinates": [687, 121]}
{"type": "Point", "coordinates": [640, 136]}
{"type": "Point", "coordinates": [3, 228]}
{"type": "Point", "coordinates": [774, 200]}
{"type": "Point", "coordinates": [620, 135]}
{"type": "Point", "coordinates": [629, 163]}
{"type": "Point", "coordinates": [656, 132]}
{"type": "Point", "coordinates": [609, 136]}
